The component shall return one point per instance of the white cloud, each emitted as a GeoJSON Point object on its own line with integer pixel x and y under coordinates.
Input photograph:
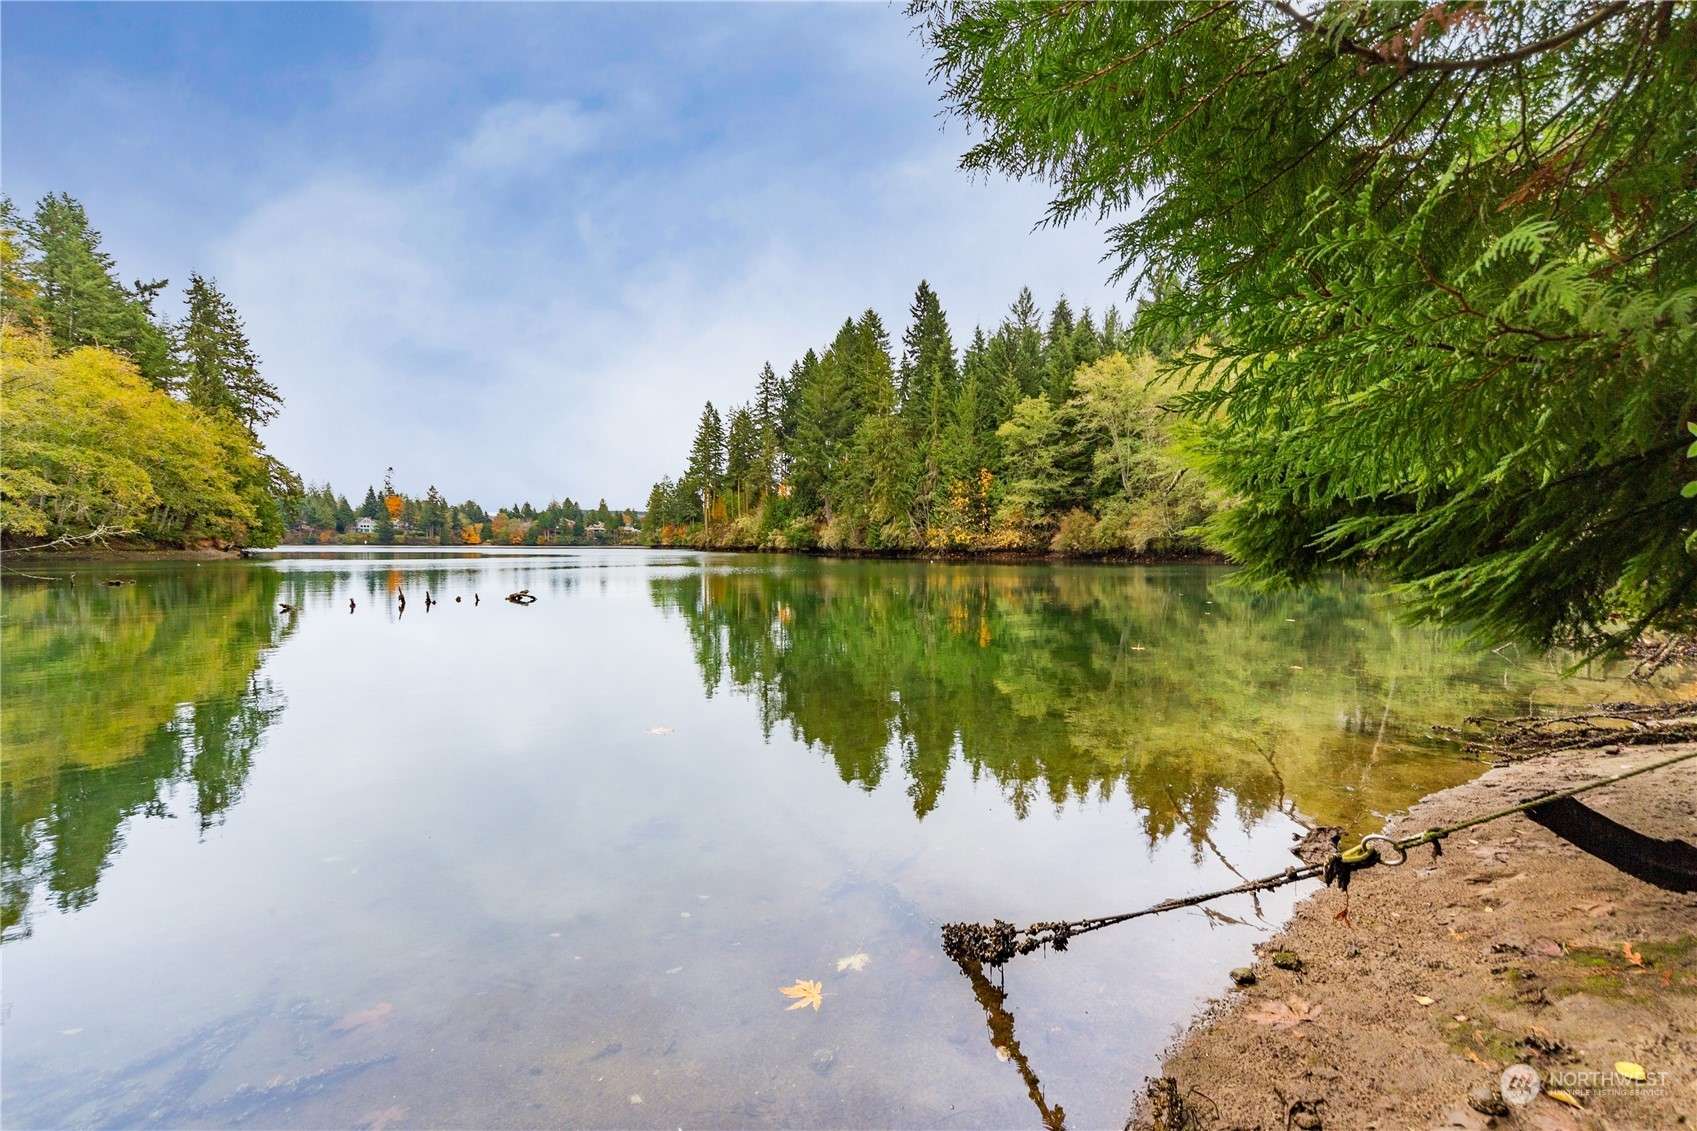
{"type": "Point", "coordinates": [525, 337]}
{"type": "Point", "coordinates": [523, 135]}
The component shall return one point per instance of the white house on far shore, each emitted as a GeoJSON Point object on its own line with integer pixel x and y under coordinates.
{"type": "Point", "coordinates": [366, 525]}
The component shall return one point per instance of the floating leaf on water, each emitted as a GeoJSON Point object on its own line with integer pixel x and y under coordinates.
{"type": "Point", "coordinates": [1002, 1053]}
{"type": "Point", "coordinates": [363, 1018]}
{"type": "Point", "coordinates": [855, 962]}
{"type": "Point", "coordinates": [658, 730]}
{"type": "Point", "coordinates": [1630, 1070]}
{"type": "Point", "coordinates": [378, 1120]}
{"type": "Point", "coordinates": [806, 993]}
{"type": "Point", "coordinates": [635, 1097]}
{"type": "Point", "coordinates": [676, 970]}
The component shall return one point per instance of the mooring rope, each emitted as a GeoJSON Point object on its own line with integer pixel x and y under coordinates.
{"type": "Point", "coordinates": [995, 943]}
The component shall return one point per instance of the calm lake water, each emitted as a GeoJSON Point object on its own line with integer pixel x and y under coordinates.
{"type": "Point", "coordinates": [484, 865]}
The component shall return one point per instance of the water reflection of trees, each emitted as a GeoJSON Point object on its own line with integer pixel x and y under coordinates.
{"type": "Point", "coordinates": [116, 698]}
{"type": "Point", "coordinates": [1075, 682]}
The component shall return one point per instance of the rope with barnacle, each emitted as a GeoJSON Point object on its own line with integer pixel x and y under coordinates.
{"type": "Point", "coordinates": [994, 943]}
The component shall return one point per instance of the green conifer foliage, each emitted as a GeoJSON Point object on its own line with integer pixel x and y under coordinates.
{"type": "Point", "coordinates": [1440, 261]}
{"type": "Point", "coordinates": [222, 369]}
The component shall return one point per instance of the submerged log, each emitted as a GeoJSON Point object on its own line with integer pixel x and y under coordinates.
{"type": "Point", "coordinates": [522, 597]}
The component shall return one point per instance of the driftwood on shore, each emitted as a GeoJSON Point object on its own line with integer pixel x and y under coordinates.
{"type": "Point", "coordinates": [1607, 724]}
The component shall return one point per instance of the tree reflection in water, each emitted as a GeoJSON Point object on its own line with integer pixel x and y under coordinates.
{"type": "Point", "coordinates": [115, 697]}
{"type": "Point", "coordinates": [1069, 683]}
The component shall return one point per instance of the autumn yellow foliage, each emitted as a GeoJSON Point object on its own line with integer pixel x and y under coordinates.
{"type": "Point", "coordinates": [86, 444]}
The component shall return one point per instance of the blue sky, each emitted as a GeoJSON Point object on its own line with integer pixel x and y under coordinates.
{"type": "Point", "coordinates": [511, 249]}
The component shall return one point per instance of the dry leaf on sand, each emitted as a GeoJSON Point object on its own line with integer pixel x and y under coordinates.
{"type": "Point", "coordinates": [1287, 1014]}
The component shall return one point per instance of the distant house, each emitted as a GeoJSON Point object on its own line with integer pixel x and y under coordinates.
{"type": "Point", "coordinates": [595, 528]}
{"type": "Point", "coordinates": [366, 526]}
{"type": "Point", "coordinates": [629, 529]}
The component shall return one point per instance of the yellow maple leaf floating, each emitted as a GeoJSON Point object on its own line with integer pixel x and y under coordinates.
{"type": "Point", "coordinates": [855, 962]}
{"type": "Point", "coordinates": [806, 993]}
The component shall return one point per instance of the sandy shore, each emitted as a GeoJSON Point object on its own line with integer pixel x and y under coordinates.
{"type": "Point", "coordinates": [1513, 947]}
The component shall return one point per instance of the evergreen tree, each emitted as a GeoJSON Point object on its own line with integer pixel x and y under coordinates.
{"type": "Point", "coordinates": [926, 378]}
{"type": "Point", "coordinates": [1086, 343]}
{"type": "Point", "coordinates": [222, 368]}
{"type": "Point", "coordinates": [743, 476]}
{"type": "Point", "coordinates": [809, 440]}
{"type": "Point", "coordinates": [1443, 260]}
{"type": "Point", "coordinates": [77, 295]}
{"type": "Point", "coordinates": [1024, 336]}
{"type": "Point", "coordinates": [657, 513]}
{"type": "Point", "coordinates": [370, 508]}
{"type": "Point", "coordinates": [1059, 356]}
{"type": "Point", "coordinates": [707, 460]}
{"type": "Point", "coordinates": [870, 378]}
{"type": "Point", "coordinates": [80, 298]}
{"type": "Point", "coordinates": [768, 399]}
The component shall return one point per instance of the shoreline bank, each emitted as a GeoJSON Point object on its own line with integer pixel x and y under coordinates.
{"type": "Point", "coordinates": [1408, 998]}
{"type": "Point", "coordinates": [1011, 557]}
{"type": "Point", "coordinates": [25, 557]}
{"type": "Point", "coordinates": [963, 557]}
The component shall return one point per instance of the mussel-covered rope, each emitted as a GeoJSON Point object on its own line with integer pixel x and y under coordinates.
{"type": "Point", "coordinates": [996, 942]}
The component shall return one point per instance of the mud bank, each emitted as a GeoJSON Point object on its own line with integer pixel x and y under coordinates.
{"type": "Point", "coordinates": [1513, 947]}
{"type": "Point", "coordinates": [22, 559]}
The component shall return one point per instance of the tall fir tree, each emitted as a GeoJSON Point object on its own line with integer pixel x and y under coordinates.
{"type": "Point", "coordinates": [78, 298]}
{"type": "Point", "coordinates": [1025, 341]}
{"type": "Point", "coordinates": [1059, 357]}
{"type": "Point", "coordinates": [925, 380]}
{"type": "Point", "coordinates": [769, 424]}
{"type": "Point", "coordinates": [222, 369]}
{"type": "Point", "coordinates": [742, 459]}
{"type": "Point", "coordinates": [707, 459]}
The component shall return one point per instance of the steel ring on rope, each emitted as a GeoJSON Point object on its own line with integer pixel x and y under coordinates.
{"type": "Point", "coordinates": [1401, 856]}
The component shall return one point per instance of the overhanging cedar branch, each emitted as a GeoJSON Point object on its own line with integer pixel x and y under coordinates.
{"type": "Point", "coordinates": [1478, 63]}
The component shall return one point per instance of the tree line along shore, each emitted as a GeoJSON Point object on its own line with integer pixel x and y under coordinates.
{"type": "Point", "coordinates": [1043, 436]}
{"type": "Point", "coordinates": [1417, 295]}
